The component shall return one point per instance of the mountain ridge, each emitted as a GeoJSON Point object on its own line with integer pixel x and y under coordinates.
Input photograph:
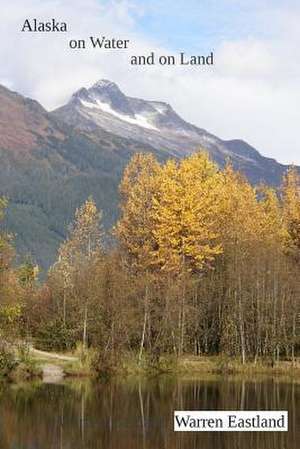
{"type": "Point", "coordinates": [105, 106]}
{"type": "Point", "coordinates": [50, 162]}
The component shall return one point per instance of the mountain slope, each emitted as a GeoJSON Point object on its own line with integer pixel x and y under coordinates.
{"type": "Point", "coordinates": [47, 170]}
{"type": "Point", "coordinates": [105, 107]}
{"type": "Point", "coordinates": [51, 162]}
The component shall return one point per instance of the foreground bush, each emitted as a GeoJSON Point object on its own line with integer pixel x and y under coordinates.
{"type": "Point", "coordinates": [7, 361]}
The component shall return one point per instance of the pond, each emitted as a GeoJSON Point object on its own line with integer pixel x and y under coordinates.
{"type": "Point", "coordinates": [138, 414]}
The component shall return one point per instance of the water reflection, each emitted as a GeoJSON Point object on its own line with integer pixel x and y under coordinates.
{"type": "Point", "coordinates": [139, 414]}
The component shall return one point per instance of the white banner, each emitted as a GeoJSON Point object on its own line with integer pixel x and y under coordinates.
{"type": "Point", "coordinates": [231, 421]}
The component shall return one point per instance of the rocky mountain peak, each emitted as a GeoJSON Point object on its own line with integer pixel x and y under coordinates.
{"type": "Point", "coordinates": [104, 106]}
{"type": "Point", "coordinates": [104, 103]}
{"type": "Point", "coordinates": [105, 85]}
{"type": "Point", "coordinates": [108, 93]}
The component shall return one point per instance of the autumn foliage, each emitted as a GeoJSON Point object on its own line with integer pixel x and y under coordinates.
{"type": "Point", "coordinates": [202, 262]}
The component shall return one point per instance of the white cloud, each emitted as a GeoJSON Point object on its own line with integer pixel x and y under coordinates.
{"type": "Point", "coordinates": [251, 93]}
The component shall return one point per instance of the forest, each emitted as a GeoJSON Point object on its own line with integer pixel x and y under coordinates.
{"type": "Point", "coordinates": [199, 263]}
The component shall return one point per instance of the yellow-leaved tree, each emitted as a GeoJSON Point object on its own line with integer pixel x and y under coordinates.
{"type": "Point", "coordinates": [168, 216]}
{"type": "Point", "coordinates": [185, 214]}
{"type": "Point", "coordinates": [134, 230]}
{"type": "Point", "coordinates": [10, 289]}
{"type": "Point", "coordinates": [291, 211]}
{"type": "Point", "coordinates": [291, 216]}
{"type": "Point", "coordinates": [135, 227]}
{"type": "Point", "coordinates": [76, 256]}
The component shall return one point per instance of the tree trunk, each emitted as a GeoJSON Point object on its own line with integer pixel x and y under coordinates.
{"type": "Point", "coordinates": [144, 325]}
{"type": "Point", "coordinates": [84, 336]}
{"type": "Point", "coordinates": [241, 329]}
{"type": "Point", "coordinates": [64, 307]}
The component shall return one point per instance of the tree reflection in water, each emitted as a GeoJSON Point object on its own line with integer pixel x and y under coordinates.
{"type": "Point", "coordinates": [135, 414]}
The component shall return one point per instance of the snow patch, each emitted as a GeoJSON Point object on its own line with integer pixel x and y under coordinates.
{"type": "Point", "coordinates": [138, 119]}
{"type": "Point", "coordinates": [159, 107]}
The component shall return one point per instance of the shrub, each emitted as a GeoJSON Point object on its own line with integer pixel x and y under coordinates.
{"type": "Point", "coordinates": [85, 355]}
{"type": "Point", "coordinates": [104, 364]}
{"type": "Point", "coordinates": [162, 364]}
{"type": "Point", "coordinates": [55, 336]}
{"type": "Point", "coordinates": [224, 365]}
{"type": "Point", "coordinates": [7, 361]}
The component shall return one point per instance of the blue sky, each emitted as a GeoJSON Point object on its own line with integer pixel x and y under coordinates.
{"type": "Point", "coordinates": [196, 24]}
{"type": "Point", "coordinates": [186, 24]}
{"type": "Point", "coordinates": [252, 92]}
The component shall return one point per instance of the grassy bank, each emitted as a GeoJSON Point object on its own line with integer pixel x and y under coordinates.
{"type": "Point", "coordinates": [198, 366]}
{"type": "Point", "coordinates": [16, 364]}
{"type": "Point", "coordinates": [226, 366]}
{"type": "Point", "coordinates": [90, 364]}
{"type": "Point", "coordinates": [185, 366]}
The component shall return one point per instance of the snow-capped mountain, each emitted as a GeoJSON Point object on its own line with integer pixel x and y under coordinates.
{"type": "Point", "coordinates": [48, 168]}
{"type": "Point", "coordinates": [105, 107]}
{"type": "Point", "coordinates": [105, 97]}
{"type": "Point", "coordinates": [154, 123]}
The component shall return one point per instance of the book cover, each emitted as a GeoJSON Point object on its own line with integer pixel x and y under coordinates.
{"type": "Point", "coordinates": [149, 224]}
